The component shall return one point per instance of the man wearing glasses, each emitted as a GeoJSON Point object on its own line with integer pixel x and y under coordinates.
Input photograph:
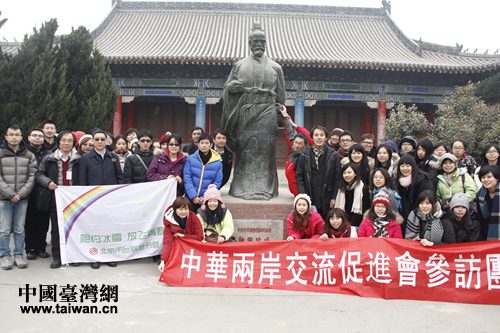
{"type": "Point", "coordinates": [137, 164]}
{"type": "Point", "coordinates": [17, 178]}
{"type": "Point", "coordinates": [346, 141]}
{"type": "Point", "coordinates": [100, 167]}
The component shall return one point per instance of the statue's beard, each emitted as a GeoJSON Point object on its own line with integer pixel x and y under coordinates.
{"type": "Point", "coordinates": [258, 52]}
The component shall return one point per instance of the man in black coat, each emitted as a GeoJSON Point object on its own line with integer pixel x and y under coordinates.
{"type": "Point", "coordinates": [37, 221]}
{"type": "Point", "coordinates": [137, 164]}
{"type": "Point", "coordinates": [220, 139]}
{"type": "Point", "coordinates": [100, 167]}
{"type": "Point", "coordinates": [318, 172]}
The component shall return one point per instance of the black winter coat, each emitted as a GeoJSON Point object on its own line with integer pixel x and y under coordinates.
{"type": "Point", "coordinates": [467, 230]}
{"type": "Point", "coordinates": [329, 174]}
{"type": "Point", "coordinates": [134, 171]}
{"type": "Point", "coordinates": [410, 194]}
{"type": "Point", "coordinates": [94, 170]}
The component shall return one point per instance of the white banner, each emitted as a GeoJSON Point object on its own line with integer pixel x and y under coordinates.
{"type": "Point", "coordinates": [112, 222]}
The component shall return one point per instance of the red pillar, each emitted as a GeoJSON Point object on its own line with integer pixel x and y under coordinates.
{"type": "Point", "coordinates": [117, 119]}
{"type": "Point", "coordinates": [130, 120]}
{"type": "Point", "coordinates": [381, 117]}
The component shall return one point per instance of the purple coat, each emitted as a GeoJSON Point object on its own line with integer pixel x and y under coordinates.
{"type": "Point", "coordinates": [161, 167]}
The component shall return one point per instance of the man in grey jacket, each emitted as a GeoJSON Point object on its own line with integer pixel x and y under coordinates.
{"type": "Point", "coordinates": [17, 178]}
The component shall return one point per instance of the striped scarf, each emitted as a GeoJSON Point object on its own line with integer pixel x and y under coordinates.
{"type": "Point", "coordinates": [492, 218]}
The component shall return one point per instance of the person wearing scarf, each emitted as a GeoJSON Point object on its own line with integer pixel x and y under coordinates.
{"type": "Point", "coordinates": [216, 219]}
{"type": "Point", "coordinates": [338, 226]}
{"type": "Point", "coordinates": [380, 221]}
{"type": "Point", "coordinates": [465, 162]}
{"type": "Point", "coordinates": [424, 223]}
{"type": "Point", "coordinates": [179, 221]}
{"type": "Point", "coordinates": [353, 196]}
{"type": "Point", "coordinates": [488, 202]}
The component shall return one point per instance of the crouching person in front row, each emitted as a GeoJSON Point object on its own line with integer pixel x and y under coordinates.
{"type": "Point", "coordinates": [179, 221]}
{"type": "Point", "coordinates": [216, 219]}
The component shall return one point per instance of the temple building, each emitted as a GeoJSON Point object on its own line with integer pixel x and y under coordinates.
{"type": "Point", "coordinates": [344, 67]}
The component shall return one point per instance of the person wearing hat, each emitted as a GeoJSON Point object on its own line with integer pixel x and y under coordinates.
{"type": "Point", "coordinates": [303, 222]}
{"type": "Point", "coordinates": [453, 181]}
{"type": "Point", "coordinates": [85, 144]}
{"type": "Point", "coordinates": [467, 229]}
{"type": "Point", "coordinates": [424, 222]}
{"type": "Point", "coordinates": [380, 221]}
{"type": "Point", "coordinates": [169, 163]}
{"type": "Point", "coordinates": [216, 219]}
{"type": "Point", "coordinates": [407, 145]}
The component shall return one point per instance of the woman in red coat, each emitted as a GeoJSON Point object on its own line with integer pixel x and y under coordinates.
{"type": "Point", "coordinates": [380, 220]}
{"type": "Point", "coordinates": [179, 221]}
{"type": "Point", "coordinates": [303, 223]}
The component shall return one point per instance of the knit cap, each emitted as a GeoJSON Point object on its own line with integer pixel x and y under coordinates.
{"type": "Point", "coordinates": [381, 197]}
{"type": "Point", "coordinates": [447, 156]}
{"type": "Point", "coordinates": [212, 193]}
{"type": "Point", "coordinates": [165, 137]}
{"type": "Point", "coordinates": [302, 196]}
{"type": "Point", "coordinates": [459, 199]}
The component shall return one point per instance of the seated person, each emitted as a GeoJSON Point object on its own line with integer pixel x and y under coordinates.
{"type": "Point", "coordinates": [215, 218]}
{"type": "Point", "coordinates": [303, 223]}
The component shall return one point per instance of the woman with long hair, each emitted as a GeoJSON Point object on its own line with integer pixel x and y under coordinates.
{"type": "Point", "coordinates": [303, 223]}
{"type": "Point", "coordinates": [337, 225]}
{"type": "Point", "coordinates": [179, 221]}
{"type": "Point", "coordinates": [353, 195]}
{"type": "Point", "coordinates": [489, 156]}
{"type": "Point", "coordinates": [424, 222]}
{"type": "Point", "coordinates": [121, 150]}
{"type": "Point", "coordinates": [425, 159]}
{"type": "Point", "coordinates": [357, 154]}
{"type": "Point", "coordinates": [383, 158]}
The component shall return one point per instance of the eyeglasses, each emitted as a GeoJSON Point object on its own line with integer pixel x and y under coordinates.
{"type": "Point", "coordinates": [145, 140]}
{"type": "Point", "coordinates": [346, 140]}
{"type": "Point", "coordinates": [367, 142]}
{"type": "Point", "coordinates": [99, 139]}
{"type": "Point", "coordinates": [174, 144]}
{"type": "Point", "coordinates": [458, 148]}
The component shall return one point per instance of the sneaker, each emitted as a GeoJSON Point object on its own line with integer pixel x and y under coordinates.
{"type": "Point", "coordinates": [7, 263]}
{"type": "Point", "coordinates": [31, 255]}
{"type": "Point", "coordinates": [95, 265]}
{"type": "Point", "coordinates": [112, 264]}
{"type": "Point", "coordinates": [20, 262]}
{"type": "Point", "coordinates": [43, 254]}
{"type": "Point", "coordinates": [55, 264]}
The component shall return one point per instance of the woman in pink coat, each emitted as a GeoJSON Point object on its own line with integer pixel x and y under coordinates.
{"type": "Point", "coordinates": [303, 223]}
{"type": "Point", "coordinates": [380, 221]}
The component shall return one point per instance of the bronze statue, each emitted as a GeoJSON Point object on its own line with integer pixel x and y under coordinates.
{"type": "Point", "coordinates": [253, 94]}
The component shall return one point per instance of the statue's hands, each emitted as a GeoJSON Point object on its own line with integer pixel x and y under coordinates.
{"type": "Point", "coordinates": [235, 87]}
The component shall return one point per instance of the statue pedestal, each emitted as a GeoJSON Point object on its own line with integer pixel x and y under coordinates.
{"type": "Point", "coordinates": [259, 220]}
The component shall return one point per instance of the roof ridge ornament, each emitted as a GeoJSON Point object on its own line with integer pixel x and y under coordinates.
{"type": "Point", "coordinates": [387, 6]}
{"type": "Point", "coordinates": [256, 26]}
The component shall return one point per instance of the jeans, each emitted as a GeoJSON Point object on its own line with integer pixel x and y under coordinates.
{"type": "Point", "coordinates": [12, 216]}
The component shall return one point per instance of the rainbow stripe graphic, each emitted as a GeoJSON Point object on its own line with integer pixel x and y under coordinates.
{"type": "Point", "coordinates": [76, 208]}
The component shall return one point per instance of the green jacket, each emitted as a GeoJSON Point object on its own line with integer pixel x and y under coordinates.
{"type": "Point", "coordinates": [461, 184]}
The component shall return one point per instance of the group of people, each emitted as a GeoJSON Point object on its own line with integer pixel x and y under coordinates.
{"type": "Point", "coordinates": [32, 170]}
{"type": "Point", "coordinates": [415, 190]}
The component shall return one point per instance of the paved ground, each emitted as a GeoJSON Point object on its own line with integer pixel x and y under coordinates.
{"type": "Point", "coordinates": [145, 304]}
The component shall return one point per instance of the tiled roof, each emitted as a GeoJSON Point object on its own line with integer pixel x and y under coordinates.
{"type": "Point", "coordinates": [10, 48]}
{"type": "Point", "coordinates": [297, 35]}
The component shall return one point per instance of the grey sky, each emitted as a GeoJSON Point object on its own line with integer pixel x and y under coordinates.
{"type": "Point", "coordinates": [471, 23]}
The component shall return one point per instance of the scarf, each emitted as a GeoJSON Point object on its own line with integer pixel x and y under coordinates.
{"type": "Point", "coordinates": [492, 219]}
{"type": "Point", "coordinates": [380, 225]}
{"type": "Point", "coordinates": [356, 203]}
{"type": "Point", "coordinates": [317, 155]}
{"type": "Point", "coordinates": [405, 181]}
{"type": "Point", "coordinates": [205, 158]}
{"type": "Point", "coordinates": [433, 228]}
{"type": "Point", "coordinates": [344, 231]}
{"type": "Point", "coordinates": [181, 221]}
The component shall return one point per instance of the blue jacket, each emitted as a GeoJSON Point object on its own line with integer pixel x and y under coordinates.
{"type": "Point", "coordinates": [197, 176]}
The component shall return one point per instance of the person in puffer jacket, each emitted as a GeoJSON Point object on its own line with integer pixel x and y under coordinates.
{"type": "Point", "coordinates": [17, 179]}
{"type": "Point", "coordinates": [179, 221]}
{"type": "Point", "coordinates": [202, 168]}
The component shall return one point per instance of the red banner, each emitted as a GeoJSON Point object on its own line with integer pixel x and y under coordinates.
{"type": "Point", "coordinates": [368, 267]}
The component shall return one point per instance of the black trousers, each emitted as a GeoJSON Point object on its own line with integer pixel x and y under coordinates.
{"type": "Point", "coordinates": [54, 235]}
{"type": "Point", "coordinates": [36, 227]}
